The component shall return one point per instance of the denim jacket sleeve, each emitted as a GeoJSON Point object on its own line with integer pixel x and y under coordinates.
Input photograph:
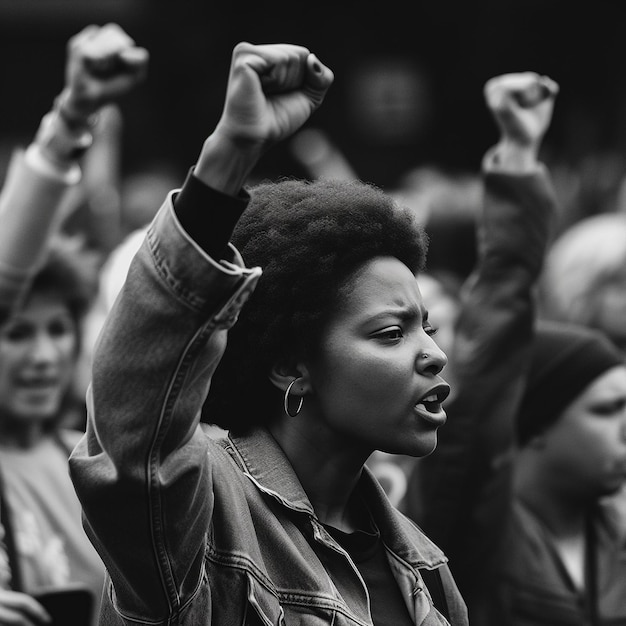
{"type": "Point", "coordinates": [459, 481]}
{"type": "Point", "coordinates": [31, 199]}
{"type": "Point", "coordinates": [142, 471]}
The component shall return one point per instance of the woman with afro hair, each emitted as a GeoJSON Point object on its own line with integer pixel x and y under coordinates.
{"type": "Point", "coordinates": [331, 358]}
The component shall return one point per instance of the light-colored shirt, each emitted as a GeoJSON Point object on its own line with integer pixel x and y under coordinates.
{"type": "Point", "coordinates": [51, 544]}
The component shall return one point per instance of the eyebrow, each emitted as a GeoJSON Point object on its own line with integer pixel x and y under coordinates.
{"type": "Point", "coordinates": [404, 313]}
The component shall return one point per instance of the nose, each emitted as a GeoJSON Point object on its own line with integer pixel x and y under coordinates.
{"type": "Point", "coordinates": [44, 348]}
{"type": "Point", "coordinates": [431, 359]}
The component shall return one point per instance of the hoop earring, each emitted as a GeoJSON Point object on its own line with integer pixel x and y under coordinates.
{"type": "Point", "coordinates": [286, 400]}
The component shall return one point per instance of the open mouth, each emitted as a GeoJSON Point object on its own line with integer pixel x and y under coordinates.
{"type": "Point", "coordinates": [430, 405]}
{"type": "Point", "coordinates": [433, 401]}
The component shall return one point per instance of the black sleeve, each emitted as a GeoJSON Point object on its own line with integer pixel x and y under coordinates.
{"type": "Point", "coordinates": [207, 215]}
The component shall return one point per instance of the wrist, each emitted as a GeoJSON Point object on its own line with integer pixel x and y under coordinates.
{"type": "Point", "coordinates": [225, 165]}
{"type": "Point", "coordinates": [67, 173]}
{"type": "Point", "coordinates": [59, 142]}
{"type": "Point", "coordinates": [74, 116]}
{"type": "Point", "coordinates": [514, 156]}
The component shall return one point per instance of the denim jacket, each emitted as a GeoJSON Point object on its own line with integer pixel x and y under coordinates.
{"type": "Point", "coordinates": [195, 530]}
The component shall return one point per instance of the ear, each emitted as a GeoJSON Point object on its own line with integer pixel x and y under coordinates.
{"type": "Point", "coordinates": [282, 376]}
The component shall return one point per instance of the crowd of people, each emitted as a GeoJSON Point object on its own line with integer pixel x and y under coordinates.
{"type": "Point", "coordinates": [304, 400]}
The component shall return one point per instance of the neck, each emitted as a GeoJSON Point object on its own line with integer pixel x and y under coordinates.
{"type": "Point", "coordinates": [564, 512]}
{"type": "Point", "coordinates": [327, 471]}
{"type": "Point", "coordinates": [565, 519]}
{"type": "Point", "coordinates": [20, 434]}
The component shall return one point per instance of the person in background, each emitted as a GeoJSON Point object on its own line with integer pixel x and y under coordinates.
{"type": "Point", "coordinates": [101, 68]}
{"type": "Point", "coordinates": [46, 283]}
{"type": "Point", "coordinates": [330, 358]}
{"type": "Point", "coordinates": [584, 280]}
{"type": "Point", "coordinates": [450, 493]}
{"type": "Point", "coordinates": [563, 551]}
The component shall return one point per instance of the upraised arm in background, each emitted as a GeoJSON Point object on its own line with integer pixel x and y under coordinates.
{"type": "Point", "coordinates": [103, 64]}
{"type": "Point", "coordinates": [462, 489]}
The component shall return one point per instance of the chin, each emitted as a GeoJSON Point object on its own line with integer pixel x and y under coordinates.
{"type": "Point", "coordinates": [427, 452]}
{"type": "Point", "coordinates": [611, 488]}
{"type": "Point", "coordinates": [425, 446]}
{"type": "Point", "coordinates": [44, 412]}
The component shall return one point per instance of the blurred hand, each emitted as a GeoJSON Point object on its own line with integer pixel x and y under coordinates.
{"type": "Point", "coordinates": [103, 64]}
{"type": "Point", "coordinates": [522, 105]}
{"type": "Point", "coordinates": [20, 609]}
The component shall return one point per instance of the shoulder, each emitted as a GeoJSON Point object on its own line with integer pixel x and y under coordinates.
{"type": "Point", "coordinates": [69, 437]}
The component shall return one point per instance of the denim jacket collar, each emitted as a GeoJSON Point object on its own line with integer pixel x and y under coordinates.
{"type": "Point", "coordinates": [266, 464]}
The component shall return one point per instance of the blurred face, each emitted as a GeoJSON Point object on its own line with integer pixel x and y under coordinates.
{"type": "Point", "coordinates": [37, 349]}
{"type": "Point", "coordinates": [376, 379]}
{"type": "Point", "coordinates": [587, 446]}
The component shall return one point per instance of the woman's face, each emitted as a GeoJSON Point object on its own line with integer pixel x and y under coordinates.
{"type": "Point", "coordinates": [587, 445]}
{"type": "Point", "coordinates": [376, 378]}
{"type": "Point", "coordinates": [37, 352]}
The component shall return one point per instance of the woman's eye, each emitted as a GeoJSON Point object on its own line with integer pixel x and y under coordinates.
{"type": "Point", "coordinates": [16, 333]}
{"type": "Point", "coordinates": [430, 330]}
{"type": "Point", "coordinates": [605, 409]}
{"type": "Point", "coordinates": [390, 333]}
{"type": "Point", "coordinates": [59, 328]}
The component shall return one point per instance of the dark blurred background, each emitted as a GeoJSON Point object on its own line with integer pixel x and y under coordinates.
{"type": "Point", "coordinates": [409, 75]}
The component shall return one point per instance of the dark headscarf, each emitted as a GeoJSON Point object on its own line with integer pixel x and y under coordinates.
{"type": "Point", "coordinates": [565, 359]}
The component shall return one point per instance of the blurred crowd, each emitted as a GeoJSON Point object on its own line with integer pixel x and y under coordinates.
{"type": "Point", "coordinates": [525, 281]}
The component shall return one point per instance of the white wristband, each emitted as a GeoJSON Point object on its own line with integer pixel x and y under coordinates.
{"type": "Point", "coordinates": [59, 142]}
{"type": "Point", "coordinates": [36, 158]}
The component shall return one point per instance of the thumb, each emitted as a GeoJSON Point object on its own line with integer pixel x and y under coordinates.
{"type": "Point", "coordinates": [135, 58]}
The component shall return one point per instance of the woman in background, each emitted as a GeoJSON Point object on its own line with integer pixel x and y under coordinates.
{"type": "Point", "coordinates": [46, 283]}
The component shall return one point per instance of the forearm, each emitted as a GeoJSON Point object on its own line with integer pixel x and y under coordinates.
{"type": "Point", "coordinates": [143, 452]}
{"type": "Point", "coordinates": [490, 353]}
{"type": "Point", "coordinates": [31, 202]}
{"type": "Point", "coordinates": [498, 307]}
{"type": "Point", "coordinates": [33, 199]}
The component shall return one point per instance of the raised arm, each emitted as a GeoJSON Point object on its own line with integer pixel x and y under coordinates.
{"type": "Point", "coordinates": [456, 484]}
{"type": "Point", "coordinates": [272, 91]}
{"type": "Point", "coordinates": [144, 452]}
{"type": "Point", "coordinates": [36, 185]}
